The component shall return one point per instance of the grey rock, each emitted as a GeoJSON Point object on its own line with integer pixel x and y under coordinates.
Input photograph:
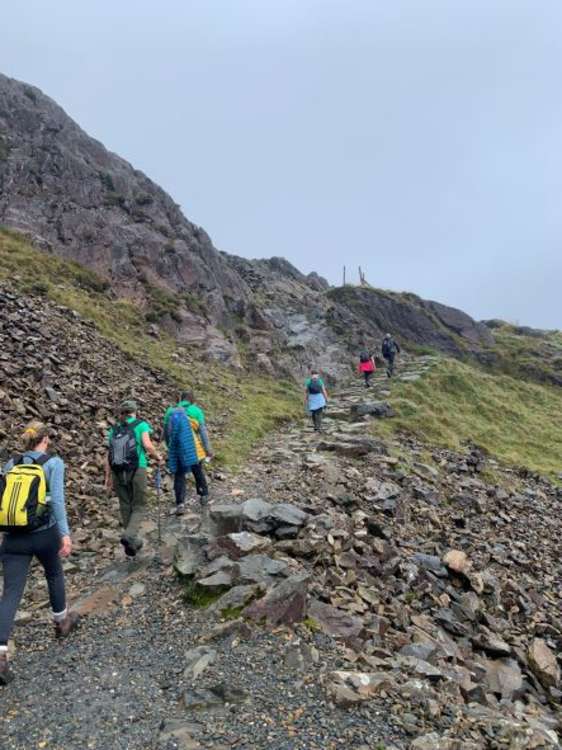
{"type": "Point", "coordinates": [237, 598]}
{"type": "Point", "coordinates": [255, 510]}
{"type": "Point", "coordinates": [180, 733]}
{"type": "Point", "coordinates": [226, 518]}
{"type": "Point", "coordinates": [432, 563]}
{"type": "Point", "coordinates": [335, 622]}
{"type": "Point", "coordinates": [211, 699]}
{"type": "Point", "coordinates": [354, 447]}
{"type": "Point", "coordinates": [503, 677]}
{"type": "Point", "coordinates": [288, 515]}
{"type": "Point", "coordinates": [284, 603]}
{"type": "Point", "coordinates": [197, 660]}
{"type": "Point", "coordinates": [189, 556]}
{"type": "Point", "coordinates": [242, 543]}
{"type": "Point", "coordinates": [347, 688]}
{"type": "Point", "coordinates": [380, 409]}
{"type": "Point", "coordinates": [260, 569]}
{"type": "Point", "coordinates": [543, 663]}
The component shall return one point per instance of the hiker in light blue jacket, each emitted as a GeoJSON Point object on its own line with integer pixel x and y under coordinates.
{"type": "Point", "coordinates": [315, 398]}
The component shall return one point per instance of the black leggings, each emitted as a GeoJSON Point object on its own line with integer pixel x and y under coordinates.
{"type": "Point", "coordinates": [367, 374]}
{"type": "Point", "coordinates": [200, 484]}
{"type": "Point", "coordinates": [17, 551]}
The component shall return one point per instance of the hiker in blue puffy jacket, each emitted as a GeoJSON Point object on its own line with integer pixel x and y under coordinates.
{"type": "Point", "coordinates": [182, 454]}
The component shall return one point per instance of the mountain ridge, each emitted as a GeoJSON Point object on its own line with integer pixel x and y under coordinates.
{"type": "Point", "coordinates": [74, 198]}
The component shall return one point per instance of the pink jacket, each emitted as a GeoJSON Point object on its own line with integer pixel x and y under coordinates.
{"type": "Point", "coordinates": [367, 366]}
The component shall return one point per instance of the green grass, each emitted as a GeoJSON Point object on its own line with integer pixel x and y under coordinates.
{"type": "Point", "coordinates": [456, 403]}
{"type": "Point", "coordinates": [537, 358]}
{"type": "Point", "coordinates": [200, 596]}
{"type": "Point", "coordinates": [249, 404]}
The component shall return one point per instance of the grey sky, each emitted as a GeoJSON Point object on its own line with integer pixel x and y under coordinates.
{"type": "Point", "coordinates": [421, 139]}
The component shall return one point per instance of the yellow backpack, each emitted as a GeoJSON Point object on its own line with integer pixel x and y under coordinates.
{"type": "Point", "coordinates": [23, 496]}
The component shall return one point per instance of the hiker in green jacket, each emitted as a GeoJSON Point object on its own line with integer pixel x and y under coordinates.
{"type": "Point", "coordinates": [202, 444]}
{"type": "Point", "coordinates": [129, 446]}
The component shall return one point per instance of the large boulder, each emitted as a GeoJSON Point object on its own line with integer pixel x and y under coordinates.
{"type": "Point", "coordinates": [380, 409]}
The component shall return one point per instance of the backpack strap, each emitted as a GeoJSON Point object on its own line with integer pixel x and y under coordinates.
{"type": "Point", "coordinates": [19, 460]}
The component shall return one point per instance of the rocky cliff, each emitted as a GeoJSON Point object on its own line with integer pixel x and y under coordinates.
{"type": "Point", "coordinates": [74, 198]}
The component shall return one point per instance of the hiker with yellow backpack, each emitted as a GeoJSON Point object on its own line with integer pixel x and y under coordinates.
{"type": "Point", "coordinates": [33, 519]}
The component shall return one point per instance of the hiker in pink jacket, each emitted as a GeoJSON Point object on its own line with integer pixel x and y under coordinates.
{"type": "Point", "coordinates": [367, 366]}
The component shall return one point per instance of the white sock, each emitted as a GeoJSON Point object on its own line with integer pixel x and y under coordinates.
{"type": "Point", "coordinates": [59, 616]}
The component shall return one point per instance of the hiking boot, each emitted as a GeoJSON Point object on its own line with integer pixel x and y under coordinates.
{"type": "Point", "coordinates": [180, 509]}
{"type": "Point", "coordinates": [6, 674]}
{"type": "Point", "coordinates": [67, 625]}
{"type": "Point", "coordinates": [130, 549]}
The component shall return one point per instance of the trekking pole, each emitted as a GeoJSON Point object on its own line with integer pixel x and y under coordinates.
{"type": "Point", "coordinates": [158, 485]}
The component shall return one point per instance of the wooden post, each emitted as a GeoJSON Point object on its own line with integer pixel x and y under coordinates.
{"type": "Point", "coordinates": [344, 275]}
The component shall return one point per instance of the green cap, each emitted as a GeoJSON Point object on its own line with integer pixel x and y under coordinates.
{"type": "Point", "coordinates": [128, 407]}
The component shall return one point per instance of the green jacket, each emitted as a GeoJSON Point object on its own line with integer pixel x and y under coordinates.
{"type": "Point", "coordinates": [192, 410]}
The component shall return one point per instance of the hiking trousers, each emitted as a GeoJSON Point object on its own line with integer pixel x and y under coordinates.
{"type": "Point", "coordinates": [368, 375]}
{"type": "Point", "coordinates": [316, 417]}
{"type": "Point", "coordinates": [131, 491]}
{"type": "Point", "coordinates": [390, 365]}
{"type": "Point", "coordinates": [17, 552]}
{"type": "Point", "coordinates": [180, 484]}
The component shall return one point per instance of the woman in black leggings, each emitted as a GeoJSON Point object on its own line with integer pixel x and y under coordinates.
{"type": "Point", "coordinates": [48, 543]}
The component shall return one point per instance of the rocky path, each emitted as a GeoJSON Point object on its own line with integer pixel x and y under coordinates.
{"type": "Point", "coordinates": [400, 645]}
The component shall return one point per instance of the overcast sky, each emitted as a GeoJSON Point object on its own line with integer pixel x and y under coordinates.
{"type": "Point", "coordinates": [420, 139]}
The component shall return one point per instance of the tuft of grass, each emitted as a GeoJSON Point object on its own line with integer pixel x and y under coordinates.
{"type": "Point", "coordinates": [311, 624]}
{"type": "Point", "coordinates": [199, 596]}
{"type": "Point", "coordinates": [232, 613]}
{"type": "Point", "coordinates": [456, 403]}
{"type": "Point", "coordinates": [265, 405]}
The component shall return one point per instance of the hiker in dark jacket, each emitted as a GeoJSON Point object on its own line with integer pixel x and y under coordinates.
{"type": "Point", "coordinates": [389, 350]}
{"type": "Point", "coordinates": [48, 541]}
{"type": "Point", "coordinates": [127, 474]}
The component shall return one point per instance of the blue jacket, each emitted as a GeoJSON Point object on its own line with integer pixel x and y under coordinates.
{"type": "Point", "coordinates": [182, 454]}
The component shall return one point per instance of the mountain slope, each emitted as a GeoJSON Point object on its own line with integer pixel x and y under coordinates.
{"type": "Point", "coordinates": [77, 200]}
{"type": "Point", "coordinates": [68, 346]}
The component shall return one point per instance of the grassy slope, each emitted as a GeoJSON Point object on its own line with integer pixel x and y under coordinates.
{"type": "Point", "coordinates": [252, 404]}
{"type": "Point", "coordinates": [533, 357]}
{"type": "Point", "coordinates": [455, 403]}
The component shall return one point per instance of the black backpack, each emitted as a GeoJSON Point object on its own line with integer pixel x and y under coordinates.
{"type": "Point", "coordinates": [123, 454]}
{"type": "Point", "coordinates": [387, 347]}
{"type": "Point", "coordinates": [364, 356]}
{"type": "Point", "coordinates": [315, 386]}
